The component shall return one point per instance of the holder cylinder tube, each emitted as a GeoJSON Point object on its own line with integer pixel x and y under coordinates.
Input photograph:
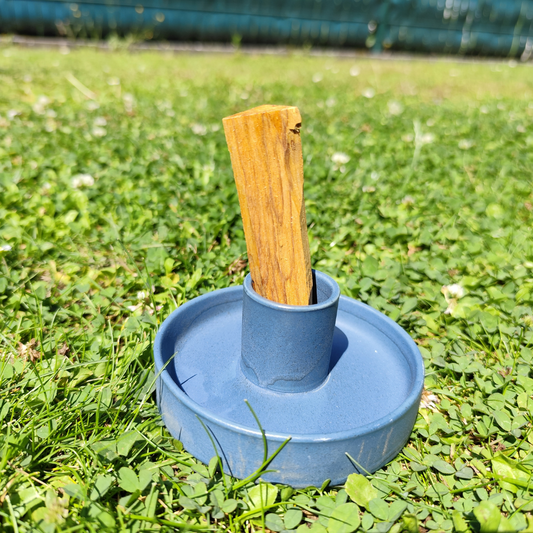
{"type": "Point", "coordinates": [287, 348]}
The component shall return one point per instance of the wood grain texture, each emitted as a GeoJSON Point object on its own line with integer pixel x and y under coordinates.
{"type": "Point", "coordinates": [266, 156]}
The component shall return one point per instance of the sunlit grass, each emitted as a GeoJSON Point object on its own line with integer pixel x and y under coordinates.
{"type": "Point", "coordinates": [117, 204]}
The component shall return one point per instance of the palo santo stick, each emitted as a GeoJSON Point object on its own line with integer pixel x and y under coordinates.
{"type": "Point", "coordinates": [266, 156]}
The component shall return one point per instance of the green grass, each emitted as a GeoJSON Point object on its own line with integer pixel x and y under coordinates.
{"type": "Point", "coordinates": [435, 191]}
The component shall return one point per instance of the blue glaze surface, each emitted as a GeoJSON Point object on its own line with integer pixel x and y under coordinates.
{"type": "Point", "coordinates": [287, 348]}
{"type": "Point", "coordinates": [366, 407]}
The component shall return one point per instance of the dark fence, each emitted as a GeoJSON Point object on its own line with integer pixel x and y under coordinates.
{"type": "Point", "coordinates": [482, 27]}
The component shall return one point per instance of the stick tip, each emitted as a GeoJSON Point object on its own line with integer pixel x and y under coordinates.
{"type": "Point", "coordinates": [263, 110]}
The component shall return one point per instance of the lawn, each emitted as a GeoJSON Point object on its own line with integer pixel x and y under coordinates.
{"type": "Point", "coordinates": [117, 205]}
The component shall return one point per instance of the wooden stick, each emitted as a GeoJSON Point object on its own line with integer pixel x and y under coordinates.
{"type": "Point", "coordinates": [266, 156]}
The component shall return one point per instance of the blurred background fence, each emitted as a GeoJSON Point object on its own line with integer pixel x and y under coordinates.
{"type": "Point", "coordinates": [481, 27]}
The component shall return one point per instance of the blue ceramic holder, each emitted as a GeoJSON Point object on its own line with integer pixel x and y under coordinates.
{"type": "Point", "coordinates": [287, 348]}
{"type": "Point", "coordinates": [338, 378]}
